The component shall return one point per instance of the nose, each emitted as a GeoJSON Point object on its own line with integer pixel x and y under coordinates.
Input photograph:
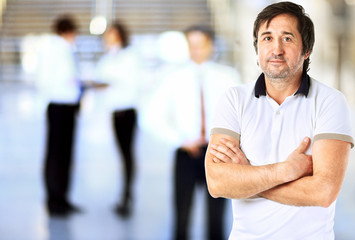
{"type": "Point", "coordinates": [278, 47]}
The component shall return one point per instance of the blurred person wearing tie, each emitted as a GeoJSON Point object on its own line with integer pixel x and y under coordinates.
{"type": "Point", "coordinates": [120, 69]}
{"type": "Point", "coordinates": [59, 86]}
{"type": "Point", "coordinates": [183, 106]}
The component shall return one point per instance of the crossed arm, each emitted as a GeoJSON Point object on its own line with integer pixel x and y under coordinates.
{"type": "Point", "coordinates": [301, 180]}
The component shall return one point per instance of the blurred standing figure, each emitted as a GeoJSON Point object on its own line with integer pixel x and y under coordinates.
{"type": "Point", "coordinates": [183, 108]}
{"type": "Point", "coordinates": [59, 85]}
{"type": "Point", "coordinates": [120, 69]}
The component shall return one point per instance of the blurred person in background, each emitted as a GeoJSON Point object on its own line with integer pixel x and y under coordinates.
{"type": "Point", "coordinates": [120, 69]}
{"type": "Point", "coordinates": [183, 107]}
{"type": "Point", "coordinates": [59, 86]}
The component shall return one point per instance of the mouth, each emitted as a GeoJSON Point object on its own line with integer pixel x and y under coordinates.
{"type": "Point", "coordinates": [277, 61]}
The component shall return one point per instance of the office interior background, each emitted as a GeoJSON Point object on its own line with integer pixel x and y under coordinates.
{"type": "Point", "coordinates": [154, 26]}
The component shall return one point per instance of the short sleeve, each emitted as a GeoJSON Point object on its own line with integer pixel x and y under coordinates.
{"type": "Point", "coordinates": [334, 119]}
{"type": "Point", "coordinates": [226, 119]}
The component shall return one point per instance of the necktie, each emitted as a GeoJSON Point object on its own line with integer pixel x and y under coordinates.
{"type": "Point", "coordinates": [203, 115]}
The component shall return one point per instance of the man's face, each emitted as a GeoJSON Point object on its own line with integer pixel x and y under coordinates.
{"type": "Point", "coordinates": [200, 47]}
{"type": "Point", "coordinates": [70, 37]}
{"type": "Point", "coordinates": [280, 48]}
{"type": "Point", "coordinates": [111, 38]}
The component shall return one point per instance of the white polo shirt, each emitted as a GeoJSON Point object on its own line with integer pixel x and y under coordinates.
{"type": "Point", "coordinates": [268, 133]}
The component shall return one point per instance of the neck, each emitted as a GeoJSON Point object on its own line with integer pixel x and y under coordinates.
{"type": "Point", "coordinates": [280, 88]}
{"type": "Point", "coordinates": [69, 37]}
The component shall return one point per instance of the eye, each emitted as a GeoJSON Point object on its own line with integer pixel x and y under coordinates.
{"type": "Point", "coordinates": [287, 39]}
{"type": "Point", "coordinates": [267, 38]}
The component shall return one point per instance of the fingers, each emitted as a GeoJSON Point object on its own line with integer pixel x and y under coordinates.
{"type": "Point", "coordinates": [304, 145]}
{"type": "Point", "coordinates": [231, 145]}
{"type": "Point", "coordinates": [219, 153]}
{"type": "Point", "coordinates": [227, 152]}
{"type": "Point", "coordinates": [234, 152]}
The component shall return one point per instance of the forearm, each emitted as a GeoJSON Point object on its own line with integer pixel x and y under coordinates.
{"type": "Point", "coordinates": [228, 176]}
{"type": "Point", "coordinates": [307, 191]}
{"type": "Point", "coordinates": [238, 181]}
{"type": "Point", "coordinates": [330, 158]}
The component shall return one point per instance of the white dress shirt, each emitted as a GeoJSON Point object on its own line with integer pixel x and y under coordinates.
{"type": "Point", "coordinates": [174, 113]}
{"type": "Point", "coordinates": [122, 70]}
{"type": "Point", "coordinates": [57, 71]}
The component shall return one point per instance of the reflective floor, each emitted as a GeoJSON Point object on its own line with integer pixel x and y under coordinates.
{"type": "Point", "coordinates": [97, 180]}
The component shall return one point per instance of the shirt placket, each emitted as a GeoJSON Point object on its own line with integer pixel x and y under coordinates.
{"type": "Point", "coordinates": [276, 128]}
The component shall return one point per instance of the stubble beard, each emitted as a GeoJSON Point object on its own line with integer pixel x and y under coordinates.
{"type": "Point", "coordinates": [278, 76]}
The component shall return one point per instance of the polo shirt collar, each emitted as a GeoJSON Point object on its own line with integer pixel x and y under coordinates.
{"type": "Point", "coordinates": [260, 87]}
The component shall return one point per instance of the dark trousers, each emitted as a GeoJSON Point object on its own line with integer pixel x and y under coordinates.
{"type": "Point", "coordinates": [61, 120]}
{"type": "Point", "coordinates": [124, 125]}
{"type": "Point", "coordinates": [190, 173]}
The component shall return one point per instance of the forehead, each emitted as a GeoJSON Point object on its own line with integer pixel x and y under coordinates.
{"type": "Point", "coordinates": [280, 23]}
{"type": "Point", "coordinates": [197, 37]}
{"type": "Point", "coordinates": [111, 31]}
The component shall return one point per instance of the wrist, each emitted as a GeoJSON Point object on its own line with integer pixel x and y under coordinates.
{"type": "Point", "coordinates": [288, 173]}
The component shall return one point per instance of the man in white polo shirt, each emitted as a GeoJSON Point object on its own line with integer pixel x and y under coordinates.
{"type": "Point", "coordinates": [279, 147]}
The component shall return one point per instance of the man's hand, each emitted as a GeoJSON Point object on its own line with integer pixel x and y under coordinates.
{"type": "Point", "coordinates": [228, 152]}
{"type": "Point", "coordinates": [301, 163]}
{"type": "Point", "coordinates": [193, 148]}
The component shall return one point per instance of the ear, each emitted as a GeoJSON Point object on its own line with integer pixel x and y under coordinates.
{"type": "Point", "coordinates": [306, 56]}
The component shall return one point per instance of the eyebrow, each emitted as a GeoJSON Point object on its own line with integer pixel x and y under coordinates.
{"type": "Point", "coordinates": [283, 33]}
{"type": "Point", "coordinates": [265, 33]}
{"type": "Point", "coordinates": [288, 33]}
